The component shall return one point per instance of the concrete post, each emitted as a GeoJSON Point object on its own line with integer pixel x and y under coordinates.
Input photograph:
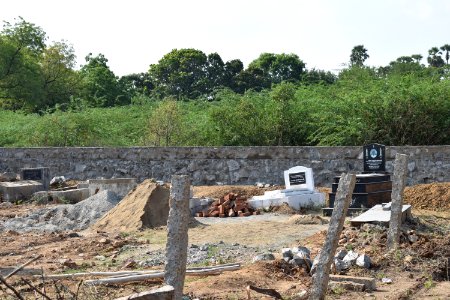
{"type": "Point", "coordinates": [326, 256]}
{"type": "Point", "coordinates": [398, 185]}
{"type": "Point", "coordinates": [177, 234]}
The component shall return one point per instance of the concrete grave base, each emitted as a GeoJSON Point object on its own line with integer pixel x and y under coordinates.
{"type": "Point", "coordinates": [294, 198]}
{"type": "Point", "coordinates": [380, 214]}
{"type": "Point", "coordinates": [19, 190]}
{"type": "Point", "coordinates": [70, 196]}
{"type": "Point", "coordinates": [120, 186]}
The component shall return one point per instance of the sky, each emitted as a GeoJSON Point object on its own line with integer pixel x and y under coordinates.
{"type": "Point", "coordinates": [134, 34]}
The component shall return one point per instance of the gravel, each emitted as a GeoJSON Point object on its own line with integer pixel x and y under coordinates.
{"type": "Point", "coordinates": [206, 254]}
{"type": "Point", "coordinates": [65, 217]}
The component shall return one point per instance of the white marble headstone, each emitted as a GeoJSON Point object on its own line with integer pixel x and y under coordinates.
{"type": "Point", "coordinates": [299, 178]}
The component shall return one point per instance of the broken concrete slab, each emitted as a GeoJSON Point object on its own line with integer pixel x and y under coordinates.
{"type": "Point", "coordinates": [346, 285]}
{"type": "Point", "coordinates": [120, 186]}
{"type": "Point", "coordinates": [369, 283]}
{"type": "Point", "coordinates": [295, 199]}
{"type": "Point", "coordinates": [19, 190]}
{"type": "Point", "coordinates": [378, 215]}
{"type": "Point", "coordinates": [8, 176]}
{"type": "Point", "coordinates": [68, 196]}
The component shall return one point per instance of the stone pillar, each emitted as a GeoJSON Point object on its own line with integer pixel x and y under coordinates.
{"type": "Point", "coordinates": [326, 256]}
{"type": "Point", "coordinates": [398, 185]}
{"type": "Point", "coordinates": [177, 234]}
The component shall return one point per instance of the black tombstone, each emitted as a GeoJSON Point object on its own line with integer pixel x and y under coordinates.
{"type": "Point", "coordinates": [372, 187]}
{"type": "Point", "coordinates": [374, 158]}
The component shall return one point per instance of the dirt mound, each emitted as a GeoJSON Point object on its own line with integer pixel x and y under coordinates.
{"type": "Point", "coordinates": [146, 206]}
{"type": "Point", "coordinates": [306, 219]}
{"type": "Point", "coordinates": [284, 209]}
{"type": "Point", "coordinates": [434, 196]}
{"type": "Point", "coordinates": [218, 191]}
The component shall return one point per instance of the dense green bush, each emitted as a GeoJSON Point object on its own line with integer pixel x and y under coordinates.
{"type": "Point", "coordinates": [361, 107]}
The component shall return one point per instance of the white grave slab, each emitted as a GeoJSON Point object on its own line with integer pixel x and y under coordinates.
{"type": "Point", "coordinates": [299, 178]}
{"type": "Point", "coordinates": [299, 192]}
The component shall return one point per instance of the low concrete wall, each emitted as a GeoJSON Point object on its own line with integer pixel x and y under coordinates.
{"type": "Point", "coordinates": [229, 165]}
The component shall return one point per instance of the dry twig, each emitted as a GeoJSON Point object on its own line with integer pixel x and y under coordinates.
{"type": "Point", "coordinates": [11, 288]}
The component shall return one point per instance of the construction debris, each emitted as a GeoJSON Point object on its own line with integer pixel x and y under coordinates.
{"type": "Point", "coordinates": [230, 205]}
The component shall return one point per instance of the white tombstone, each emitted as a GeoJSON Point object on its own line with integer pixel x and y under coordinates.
{"type": "Point", "coordinates": [299, 178]}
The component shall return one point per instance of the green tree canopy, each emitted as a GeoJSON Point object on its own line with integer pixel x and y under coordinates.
{"type": "Point", "coordinates": [21, 45]}
{"type": "Point", "coordinates": [358, 56]}
{"type": "Point", "coordinates": [279, 67]}
{"type": "Point", "coordinates": [180, 73]}
{"type": "Point", "coordinates": [100, 86]}
{"type": "Point", "coordinates": [434, 58]}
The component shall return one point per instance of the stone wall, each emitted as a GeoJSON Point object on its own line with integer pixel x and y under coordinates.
{"type": "Point", "coordinates": [229, 165]}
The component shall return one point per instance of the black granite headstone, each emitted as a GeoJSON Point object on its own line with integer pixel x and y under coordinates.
{"type": "Point", "coordinates": [297, 178]}
{"type": "Point", "coordinates": [32, 174]}
{"type": "Point", "coordinates": [37, 174]}
{"type": "Point", "coordinates": [374, 158]}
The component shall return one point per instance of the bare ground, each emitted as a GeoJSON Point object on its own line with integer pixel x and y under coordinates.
{"type": "Point", "coordinates": [421, 278]}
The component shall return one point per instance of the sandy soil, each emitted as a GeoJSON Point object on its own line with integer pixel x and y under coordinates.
{"type": "Point", "coordinates": [421, 279]}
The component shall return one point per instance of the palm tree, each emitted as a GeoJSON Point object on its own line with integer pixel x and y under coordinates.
{"type": "Point", "coordinates": [446, 48]}
{"type": "Point", "coordinates": [358, 55]}
{"type": "Point", "coordinates": [434, 58]}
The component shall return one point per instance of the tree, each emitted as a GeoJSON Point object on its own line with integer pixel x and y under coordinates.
{"type": "Point", "coordinates": [446, 48]}
{"type": "Point", "coordinates": [358, 56]}
{"type": "Point", "coordinates": [252, 78]}
{"type": "Point", "coordinates": [21, 45]}
{"type": "Point", "coordinates": [417, 58]}
{"type": "Point", "coordinates": [215, 72]}
{"type": "Point", "coordinates": [180, 73]}
{"type": "Point", "coordinates": [165, 124]}
{"type": "Point", "coordinates": [434, 58]}
{"type": "Point", "coordinates": [60, 81]}
{"type": "Point", "coordinates": [283, 94]}
{"type": "Point", "coordinates": [314, 76]}
{"type": "Point", "coordinates": [231, 71]}
{"type": "Point", "coordinates": [100, 85]}
{"type": "Point", "coordinates": [280, 67]}
{"type": "Point", "coordinates": [405, 65]}
{"type": "Point", "coordinates": [137, 83]}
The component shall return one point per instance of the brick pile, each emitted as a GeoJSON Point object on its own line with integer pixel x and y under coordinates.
{"type": "Point", "coordinates": [230, 205]}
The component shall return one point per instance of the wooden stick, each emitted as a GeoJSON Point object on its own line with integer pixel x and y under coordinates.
{"type": "Point", "coordinates": [142, 277]}
{"type": "Point", "coordinates": [127, 273]}
{"type": "Point", "coordinates": [97, 274]}
{"type": "Point", "coordinates": [11, 288]}
{"type": "Point", "coordinates": [22, 266]}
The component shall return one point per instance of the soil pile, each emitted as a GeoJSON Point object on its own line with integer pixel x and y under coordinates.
{"type": "Point", "coordinates": [65, 217]}
{"type": "Point", "coordinates": [434, 196]}
{"type": "Point", "coordinates": [306, 220]}
{"type": "Point", "coordinates": [146, 206]}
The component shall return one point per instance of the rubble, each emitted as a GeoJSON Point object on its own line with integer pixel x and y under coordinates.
{"type": "Point", "coordinates": [264, 256]}
{"type": "Point", "coordinates": [230, 205]}
{"type": "Point", "coordinates": [64, 217]}
{"type": "Point", "coordinates": [8, 176]}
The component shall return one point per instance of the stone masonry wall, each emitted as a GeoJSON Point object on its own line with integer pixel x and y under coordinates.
{"type": "Point", "coordinates": [229, 165]}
